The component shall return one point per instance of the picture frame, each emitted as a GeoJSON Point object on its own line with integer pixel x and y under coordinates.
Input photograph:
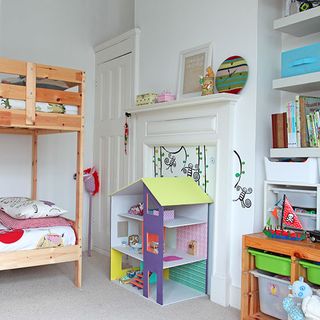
{"type": "Point", "coordinates": [192, 64]}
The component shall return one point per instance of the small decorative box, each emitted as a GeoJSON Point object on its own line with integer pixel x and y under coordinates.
{"type": "Point", "coordinates": [146, 98]}
{"type": "Point", "coordinates": [166, 96]}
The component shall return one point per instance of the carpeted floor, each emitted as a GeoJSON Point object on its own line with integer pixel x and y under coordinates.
{"type": "Point", "coordinates": [48, 293]}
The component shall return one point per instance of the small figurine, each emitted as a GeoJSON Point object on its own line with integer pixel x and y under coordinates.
{"type": "Point", "coordinates": [207, 82]}
{"type": "Point", "coordinates": [192, 247]}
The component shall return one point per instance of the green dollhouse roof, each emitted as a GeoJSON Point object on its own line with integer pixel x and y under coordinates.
{"type": "Point", "coordinates": [176, 191]}
{"type": "Point", "coordinates": [169, 191]}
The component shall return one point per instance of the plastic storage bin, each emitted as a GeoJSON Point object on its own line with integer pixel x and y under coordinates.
{"type": "Point", "coordinates": [308, 221]}
{"type": "Point", "coordinates": [300, 61]}
{"type": "Point", "coordinates": [313, 271]}
{"type": "Point", "coordinates": [272, 291]}
{"type": "Point", "coordinates": [272, 263]}
{"type": "Point", "coordinates": [303, 172]}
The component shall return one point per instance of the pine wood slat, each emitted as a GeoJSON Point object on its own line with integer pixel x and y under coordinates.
{"type": "Point", "coordinates": [11, 91]}
{"type": "Point", "coordinates": [38, 257]}
{"type": "Point", "coordinates": [57, 96]}
{"type": "Point", "coordinates": [43, 120]}
{"type": "Point", "coordinates": [42, 95]}
{"type": "Point", "coordinates": [13, 66]}
{"type": "Point", "coordinates": [30, 93]}
{"type": "Point", "coordinates": [19, 131]}
{"type": "Point", "coordinates": [59, 73]}
{"type": "Point", "coordinates": [34, 164]}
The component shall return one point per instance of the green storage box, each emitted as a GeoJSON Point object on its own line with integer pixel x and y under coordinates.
{"type": "Point", "coordinates": [272, 263]}
{"type": "Point", "coordinates": [313, 271]}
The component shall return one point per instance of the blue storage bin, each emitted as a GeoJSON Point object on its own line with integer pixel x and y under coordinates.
{"type": "Point", "coordinates": [300, 61]}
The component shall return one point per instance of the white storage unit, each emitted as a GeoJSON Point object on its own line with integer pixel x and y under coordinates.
{"type": "Point", "coordinates": [301, 195]}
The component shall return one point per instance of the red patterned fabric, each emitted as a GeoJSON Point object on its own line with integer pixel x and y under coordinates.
{"type": "Point", "coordinates": [12, 223]}
{"type": "Point", "coordinates": [290, 218]}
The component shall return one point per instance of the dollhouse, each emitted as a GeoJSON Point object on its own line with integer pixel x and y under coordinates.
{"type": "Point", "coordinates": [159, 239]}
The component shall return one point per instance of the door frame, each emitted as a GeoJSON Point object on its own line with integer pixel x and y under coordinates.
{"type": "Point", "coordinates": [121, 45]}
{"type": "Point", "coordinates": [128, 42]}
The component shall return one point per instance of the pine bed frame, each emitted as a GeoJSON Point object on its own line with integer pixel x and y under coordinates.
{"type": "Point", "coordinates": [30, 122]}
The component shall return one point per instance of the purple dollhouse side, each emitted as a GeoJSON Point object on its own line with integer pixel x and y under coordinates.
{"type": "Point", "coordinates": [153, 224]}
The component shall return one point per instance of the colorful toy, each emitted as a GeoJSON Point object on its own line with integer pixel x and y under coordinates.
{"type": "Point", "coordinates": [300, 289]}
{"type": "Point", "coordinates": [290, 226]}
{"type": "Point", "coordinates": [207, 82]}
{"type": "Point", "coordinates": [136, 209]}
{"type": "Point", "coordinates": [92, 185]}
{"type": "Point", "coordinates": [192, 247]}
{"type": "Point", "coordinates": [294, 312]}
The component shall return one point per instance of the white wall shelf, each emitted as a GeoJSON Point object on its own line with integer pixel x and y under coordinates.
{"type": "Point", "coordinates": [129, 252]}
{"type": "Point", "coordinates": [295, 152]}
{"type": "Point", "coordinates": [131, 216]}
{"type": "Point", "coordinates": [192, 102]}
{"type": "Point", "coordinates": [300, 24]}
{"type": "Point", "coordinates": [298, 84]}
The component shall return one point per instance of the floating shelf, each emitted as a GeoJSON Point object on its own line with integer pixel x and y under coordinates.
{"type": "Point", "coordinates": [295, 152]}
{"type": "Point", "coordinates": [175, 223]}
{"type": "Point", "coordinates": [192, 102]}
{"type": "Point", "coordinates": [300, 24]}
{"type": "Point", "coordinates": [186, 258]}
{"type": "Point", "coordinates": [298, 84]}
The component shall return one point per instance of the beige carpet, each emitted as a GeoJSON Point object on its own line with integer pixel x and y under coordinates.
{"type": "Point", "coordinates": [48, 293]}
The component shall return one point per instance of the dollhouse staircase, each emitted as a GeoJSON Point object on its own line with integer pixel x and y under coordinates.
{"type": "Point", "coordinates": [137, 281]}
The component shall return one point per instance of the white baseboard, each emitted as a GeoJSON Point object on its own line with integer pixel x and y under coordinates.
{"type": "Point", "coordinates": [235, 297]}
{"type": "Point", "coordinates": [220, 290]}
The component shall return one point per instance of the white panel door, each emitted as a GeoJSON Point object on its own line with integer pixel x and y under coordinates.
{"type": "Point", "coordinates": [113, 97]}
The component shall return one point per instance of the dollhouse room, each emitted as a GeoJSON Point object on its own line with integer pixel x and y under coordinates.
{"type": "Point", "coordinates": [160, 159]}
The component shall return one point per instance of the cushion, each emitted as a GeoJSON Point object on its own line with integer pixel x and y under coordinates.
{"type": "Point", "coordinates": [25, 208]}
{"type": "Point", "coordinates": [12, 223]}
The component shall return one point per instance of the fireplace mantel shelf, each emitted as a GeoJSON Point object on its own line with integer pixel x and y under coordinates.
{"type": "Point", "coordinates": [196, 101]}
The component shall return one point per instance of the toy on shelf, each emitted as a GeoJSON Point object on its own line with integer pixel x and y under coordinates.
{"type": "Point", "coordinates": [207, 82]}
{"type": "Point", "coordinates": [146, 98]}
{"type": "Point", "coordinates": [166, 96]}
{"type": "Point", "coordinates": [136, 209]}
{"type": "Point", "coordinates": [192, 247]}
{"type": "Point", "coordinates": [314, 235]}
{"type": "Point", "coordinates": [290, 226]}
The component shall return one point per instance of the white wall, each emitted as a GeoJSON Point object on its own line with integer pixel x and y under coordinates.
{"type": "Point", "coordinates": [169, 26]}
{"type": "Point", "coordinates": [60, 33]}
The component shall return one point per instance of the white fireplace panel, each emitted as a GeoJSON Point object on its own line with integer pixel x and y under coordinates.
{"type": "Point", "coordinates": [181, 126]}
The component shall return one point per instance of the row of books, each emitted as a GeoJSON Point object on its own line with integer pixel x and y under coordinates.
{"type": "Point", "coordinates": [299, 126]}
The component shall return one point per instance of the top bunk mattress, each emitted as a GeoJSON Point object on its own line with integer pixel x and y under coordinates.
{"type": "Point", "coordinates": [35, 238]}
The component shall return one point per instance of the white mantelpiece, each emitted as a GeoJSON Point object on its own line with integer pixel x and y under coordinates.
{"type": "Point", "coordinates": [198, 121]}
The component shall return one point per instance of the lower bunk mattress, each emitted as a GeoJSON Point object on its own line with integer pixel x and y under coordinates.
{"type": "Point", "coordinates": [35, 238]}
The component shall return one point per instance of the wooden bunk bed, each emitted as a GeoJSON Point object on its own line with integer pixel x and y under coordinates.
{"type": "Point", "coordinates": [30, 122]}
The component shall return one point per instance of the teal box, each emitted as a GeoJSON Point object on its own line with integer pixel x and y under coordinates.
{"type": "Point", "coordinates": [300, 61]}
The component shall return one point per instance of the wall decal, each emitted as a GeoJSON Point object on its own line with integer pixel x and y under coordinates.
{"type": "Point", "coordinates": [245, 202]}
{"type": "Point", "coordinates": [190, 161]}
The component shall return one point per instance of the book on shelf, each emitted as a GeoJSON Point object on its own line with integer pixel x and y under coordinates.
{"type": "Point", "coordinates": [302, 124]}
{"type": "Point", "coordinates": [279, 130]}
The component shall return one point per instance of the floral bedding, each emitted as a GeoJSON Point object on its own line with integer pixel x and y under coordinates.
{"type": "Point", "coordinates": [35, 238]}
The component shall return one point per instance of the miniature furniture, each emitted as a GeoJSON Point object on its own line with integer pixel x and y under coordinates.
{"type": "Point", "coordinates": [175, 213]}
{"type": "Point", "coordinates": [295, 250]}
{"type": "Point", "coordinates": [32, 123]}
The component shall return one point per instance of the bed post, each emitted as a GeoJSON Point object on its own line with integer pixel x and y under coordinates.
{"type": "Point", "coordinates": [34, 164]}
{"type": "Point", "coordinates": [79, 189]}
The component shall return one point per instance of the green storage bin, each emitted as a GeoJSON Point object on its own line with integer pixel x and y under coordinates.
{"type": "Point", "coordinates": [313, 271]}
{"type": "Point", "coordinates": [272, 263]}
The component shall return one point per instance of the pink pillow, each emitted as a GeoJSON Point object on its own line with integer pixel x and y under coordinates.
{"type": "Point", "coordinates": [12, 223]}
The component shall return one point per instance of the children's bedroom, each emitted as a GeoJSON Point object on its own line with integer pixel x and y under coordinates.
{"type": "Point", "coordinates": [160, 159]}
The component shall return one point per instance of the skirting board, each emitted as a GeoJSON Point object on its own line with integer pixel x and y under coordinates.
{"type": "Point", "coordinates": [220, 290]}
{"type": "Point", "coordinates": [235, 297]}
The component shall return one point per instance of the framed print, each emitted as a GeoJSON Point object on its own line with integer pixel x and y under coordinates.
{"type": "Point", "coordinates": [192, 64]}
